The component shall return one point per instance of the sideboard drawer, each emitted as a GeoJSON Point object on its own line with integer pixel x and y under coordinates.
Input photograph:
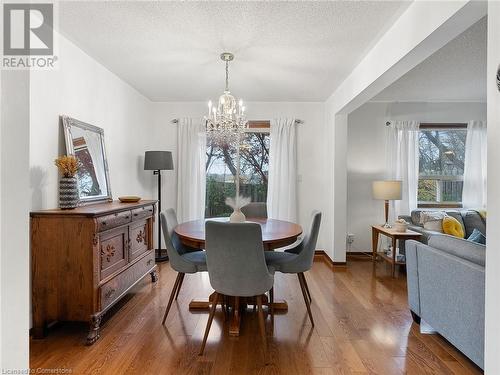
{"type": "Point", "coordinates": [142, 212]}
{"type": "Point", "coordinates": [113, 250]}
{"type": "Point", "coordinates": [113, 221]}
{"type": "Point", "coordinates": [114, 288]}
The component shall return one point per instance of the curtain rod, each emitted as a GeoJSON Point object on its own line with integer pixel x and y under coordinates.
{"type": "Point", "coordinates": [176, 121]}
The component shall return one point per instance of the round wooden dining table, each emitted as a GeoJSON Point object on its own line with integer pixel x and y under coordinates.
{"type": "Point", "coordinates": [275, 234]}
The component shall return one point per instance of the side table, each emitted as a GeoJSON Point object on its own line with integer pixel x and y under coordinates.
{"type": "Point", "coordinates": [395, 236]}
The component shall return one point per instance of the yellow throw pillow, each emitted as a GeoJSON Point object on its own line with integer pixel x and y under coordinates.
{"type": "Point", "coordinates": [453, 227]}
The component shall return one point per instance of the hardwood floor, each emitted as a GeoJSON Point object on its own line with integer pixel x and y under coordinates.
{"type": "Point", "coordinates": [362, 326]}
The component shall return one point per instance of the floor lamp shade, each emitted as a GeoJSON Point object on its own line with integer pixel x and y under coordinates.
{"type": "Point", "coordinates": [388, 191]}
{"type": "Point", "coordinates": [158, 161]}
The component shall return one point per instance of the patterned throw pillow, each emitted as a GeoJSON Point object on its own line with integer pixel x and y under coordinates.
{"type": "Point", "coordinates": [478, 237]}
{"type": "Point", "coordinates": [453, 227]}
{"type": "Point", "coordinates": [432, 220]}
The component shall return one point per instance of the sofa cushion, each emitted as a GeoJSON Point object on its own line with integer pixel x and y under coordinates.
{"type": "Point", "coordinates": [456, 215]}
{"type": "Point", "coordinates": [473, 220]}
{"type": "Point", "coordinates": [471, 251]}
{"type": "Point", "coordinates": [477, 237]}
{"type": "Point", "coordinates": [452, 227]}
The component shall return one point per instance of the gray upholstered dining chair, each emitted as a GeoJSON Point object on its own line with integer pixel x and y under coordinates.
{"type": "Point", "coordinates": [298, 259]}
{"type": "Point", "coordinates": [255, 209]}
{"type": "Point", "coordinates": [236, 266]}
{"type": "Point", "coordinates": [182, 259]}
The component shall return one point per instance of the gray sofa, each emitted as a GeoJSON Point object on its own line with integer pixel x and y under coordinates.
{"type": "Point", "coordinates": [469, 219]}
{"type": "Point", "coordinates": [446, 289]}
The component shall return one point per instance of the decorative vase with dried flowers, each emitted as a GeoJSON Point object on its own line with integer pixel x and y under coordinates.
{"type": "Point", "coordinates": [68, 188]}
{"type": "Point", "coordinates": [236, 203]}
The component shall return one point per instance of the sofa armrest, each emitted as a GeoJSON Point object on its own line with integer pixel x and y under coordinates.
{"type": "Point", "coordinates": [426, 234]}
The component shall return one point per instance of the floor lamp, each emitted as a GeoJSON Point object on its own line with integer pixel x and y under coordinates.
{"type": "Point", "coordinates": [387, 191]}
{"type": "Point", "coordinates": [158, 161]}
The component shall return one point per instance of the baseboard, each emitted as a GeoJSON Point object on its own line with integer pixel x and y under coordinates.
{"type": "Point", "coordinates": [322, 256]}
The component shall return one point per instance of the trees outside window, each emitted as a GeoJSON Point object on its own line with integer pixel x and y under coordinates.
{"type": "Point", "coordinates": [441, 165]}
{"type": "Point", "coordinates": [221, 171]}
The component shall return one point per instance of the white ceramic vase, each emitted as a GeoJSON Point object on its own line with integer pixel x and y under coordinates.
{"type": "Point", "coordinates": [237, 217]}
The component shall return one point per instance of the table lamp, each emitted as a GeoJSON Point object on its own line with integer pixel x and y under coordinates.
{"type": "Point", "coordinates": [158, 161]}
{"type": "Point", "coordinates": [387, 191]}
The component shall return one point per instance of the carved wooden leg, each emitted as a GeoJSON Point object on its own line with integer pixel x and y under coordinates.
{"type": "Point", "coordinates": [209, 322]}
{"type": "Point", "coordinates": [38, 332]}
{"type": "Point", "coordinates": [154, 276]}
{"type": "Point", "coordinates": [415, 317]}
{"type": "Point", "coordinates": [94, 332]}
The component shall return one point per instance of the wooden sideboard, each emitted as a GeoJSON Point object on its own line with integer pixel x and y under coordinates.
{"type": "Point", "coordinates": [85, 260]}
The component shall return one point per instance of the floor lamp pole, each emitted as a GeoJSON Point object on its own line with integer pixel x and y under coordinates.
{"type": "Point", "coordinates": [159, 256]}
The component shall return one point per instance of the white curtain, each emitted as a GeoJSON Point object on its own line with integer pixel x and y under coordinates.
{"type": "Point", "coordinates": [94, 147]}
{"type": "Point", "coordinates": [474, 191]}
{"type": "Point", "coordinates": [402, 163]}
{"type": "Point", "coordinates": [282, 187]}
{"type": "Point", "coordinates": [191, 155]}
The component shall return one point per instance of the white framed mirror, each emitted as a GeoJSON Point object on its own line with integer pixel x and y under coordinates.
{"type": "Point", "coordinates": [86, 143]}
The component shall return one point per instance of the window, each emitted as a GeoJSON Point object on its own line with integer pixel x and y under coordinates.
{"type": "Point", "coordinates": [221, 169]}
{"type": "Point", "coordinates": [441, 164]}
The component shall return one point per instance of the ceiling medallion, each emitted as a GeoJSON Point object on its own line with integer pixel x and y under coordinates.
{"type": "Point", "coordinates": [226, 122]}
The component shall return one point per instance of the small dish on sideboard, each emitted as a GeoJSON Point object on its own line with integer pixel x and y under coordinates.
{"type": "Point", "coordinates": [129, 199]}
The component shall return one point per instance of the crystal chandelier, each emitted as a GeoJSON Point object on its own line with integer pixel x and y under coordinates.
{"type": "Point", "coordinates": [226, 122]}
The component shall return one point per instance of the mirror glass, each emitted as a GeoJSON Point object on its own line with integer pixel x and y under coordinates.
{"type": "Point", "coordinates": [86, 142]}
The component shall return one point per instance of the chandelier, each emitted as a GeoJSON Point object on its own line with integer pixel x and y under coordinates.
{"type": "Point", "coordinates": [226, 122]}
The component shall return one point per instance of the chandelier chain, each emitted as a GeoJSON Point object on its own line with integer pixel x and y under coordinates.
{"type": "Point", "coordinates": [227, 75]}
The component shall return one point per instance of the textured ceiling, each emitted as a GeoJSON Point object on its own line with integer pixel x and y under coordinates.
{"type": "Point", "coordinates": [457, 72]}
{"type": "Point", "coordinates": [285, 51]}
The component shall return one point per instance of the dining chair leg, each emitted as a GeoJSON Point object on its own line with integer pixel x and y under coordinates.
{"type": "Point", "coordinates": [261, 321]}
{"type": "Point", "coordinates": [271, 307]}
{"type": "Point", "coordinates": [209, 322]}
{"type": "Point", "coordinates": [306, 298]}
{"type": "Point", "coordinates": [179, 286]}
{"type": "Point", "coordinates": [172, 294]}
{"type": "Point", "coordinates": [307, 286]}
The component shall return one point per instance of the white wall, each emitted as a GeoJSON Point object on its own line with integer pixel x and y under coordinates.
{"type": "Point", "coordinates": [492, 328]}
{"type": "Point", "coordinates": [310, 148]}
{"type": "Point", "coordinates": [14, 230]}
{"type": "Point", "coordinates": [84, 89]}
{"type": "Point", "coordinates": [366, 160]}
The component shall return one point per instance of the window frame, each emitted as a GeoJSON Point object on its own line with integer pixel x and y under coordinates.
{"type": "Point", "coordinates": [441, 126]}
{"type": "Point", "coordinates": [254, 126]}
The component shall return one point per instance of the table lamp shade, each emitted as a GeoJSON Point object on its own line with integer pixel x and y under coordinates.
{"type": "Point", "coordinates": [387, 190]}
{"type": "Point", "coordinates": [158, 160]}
